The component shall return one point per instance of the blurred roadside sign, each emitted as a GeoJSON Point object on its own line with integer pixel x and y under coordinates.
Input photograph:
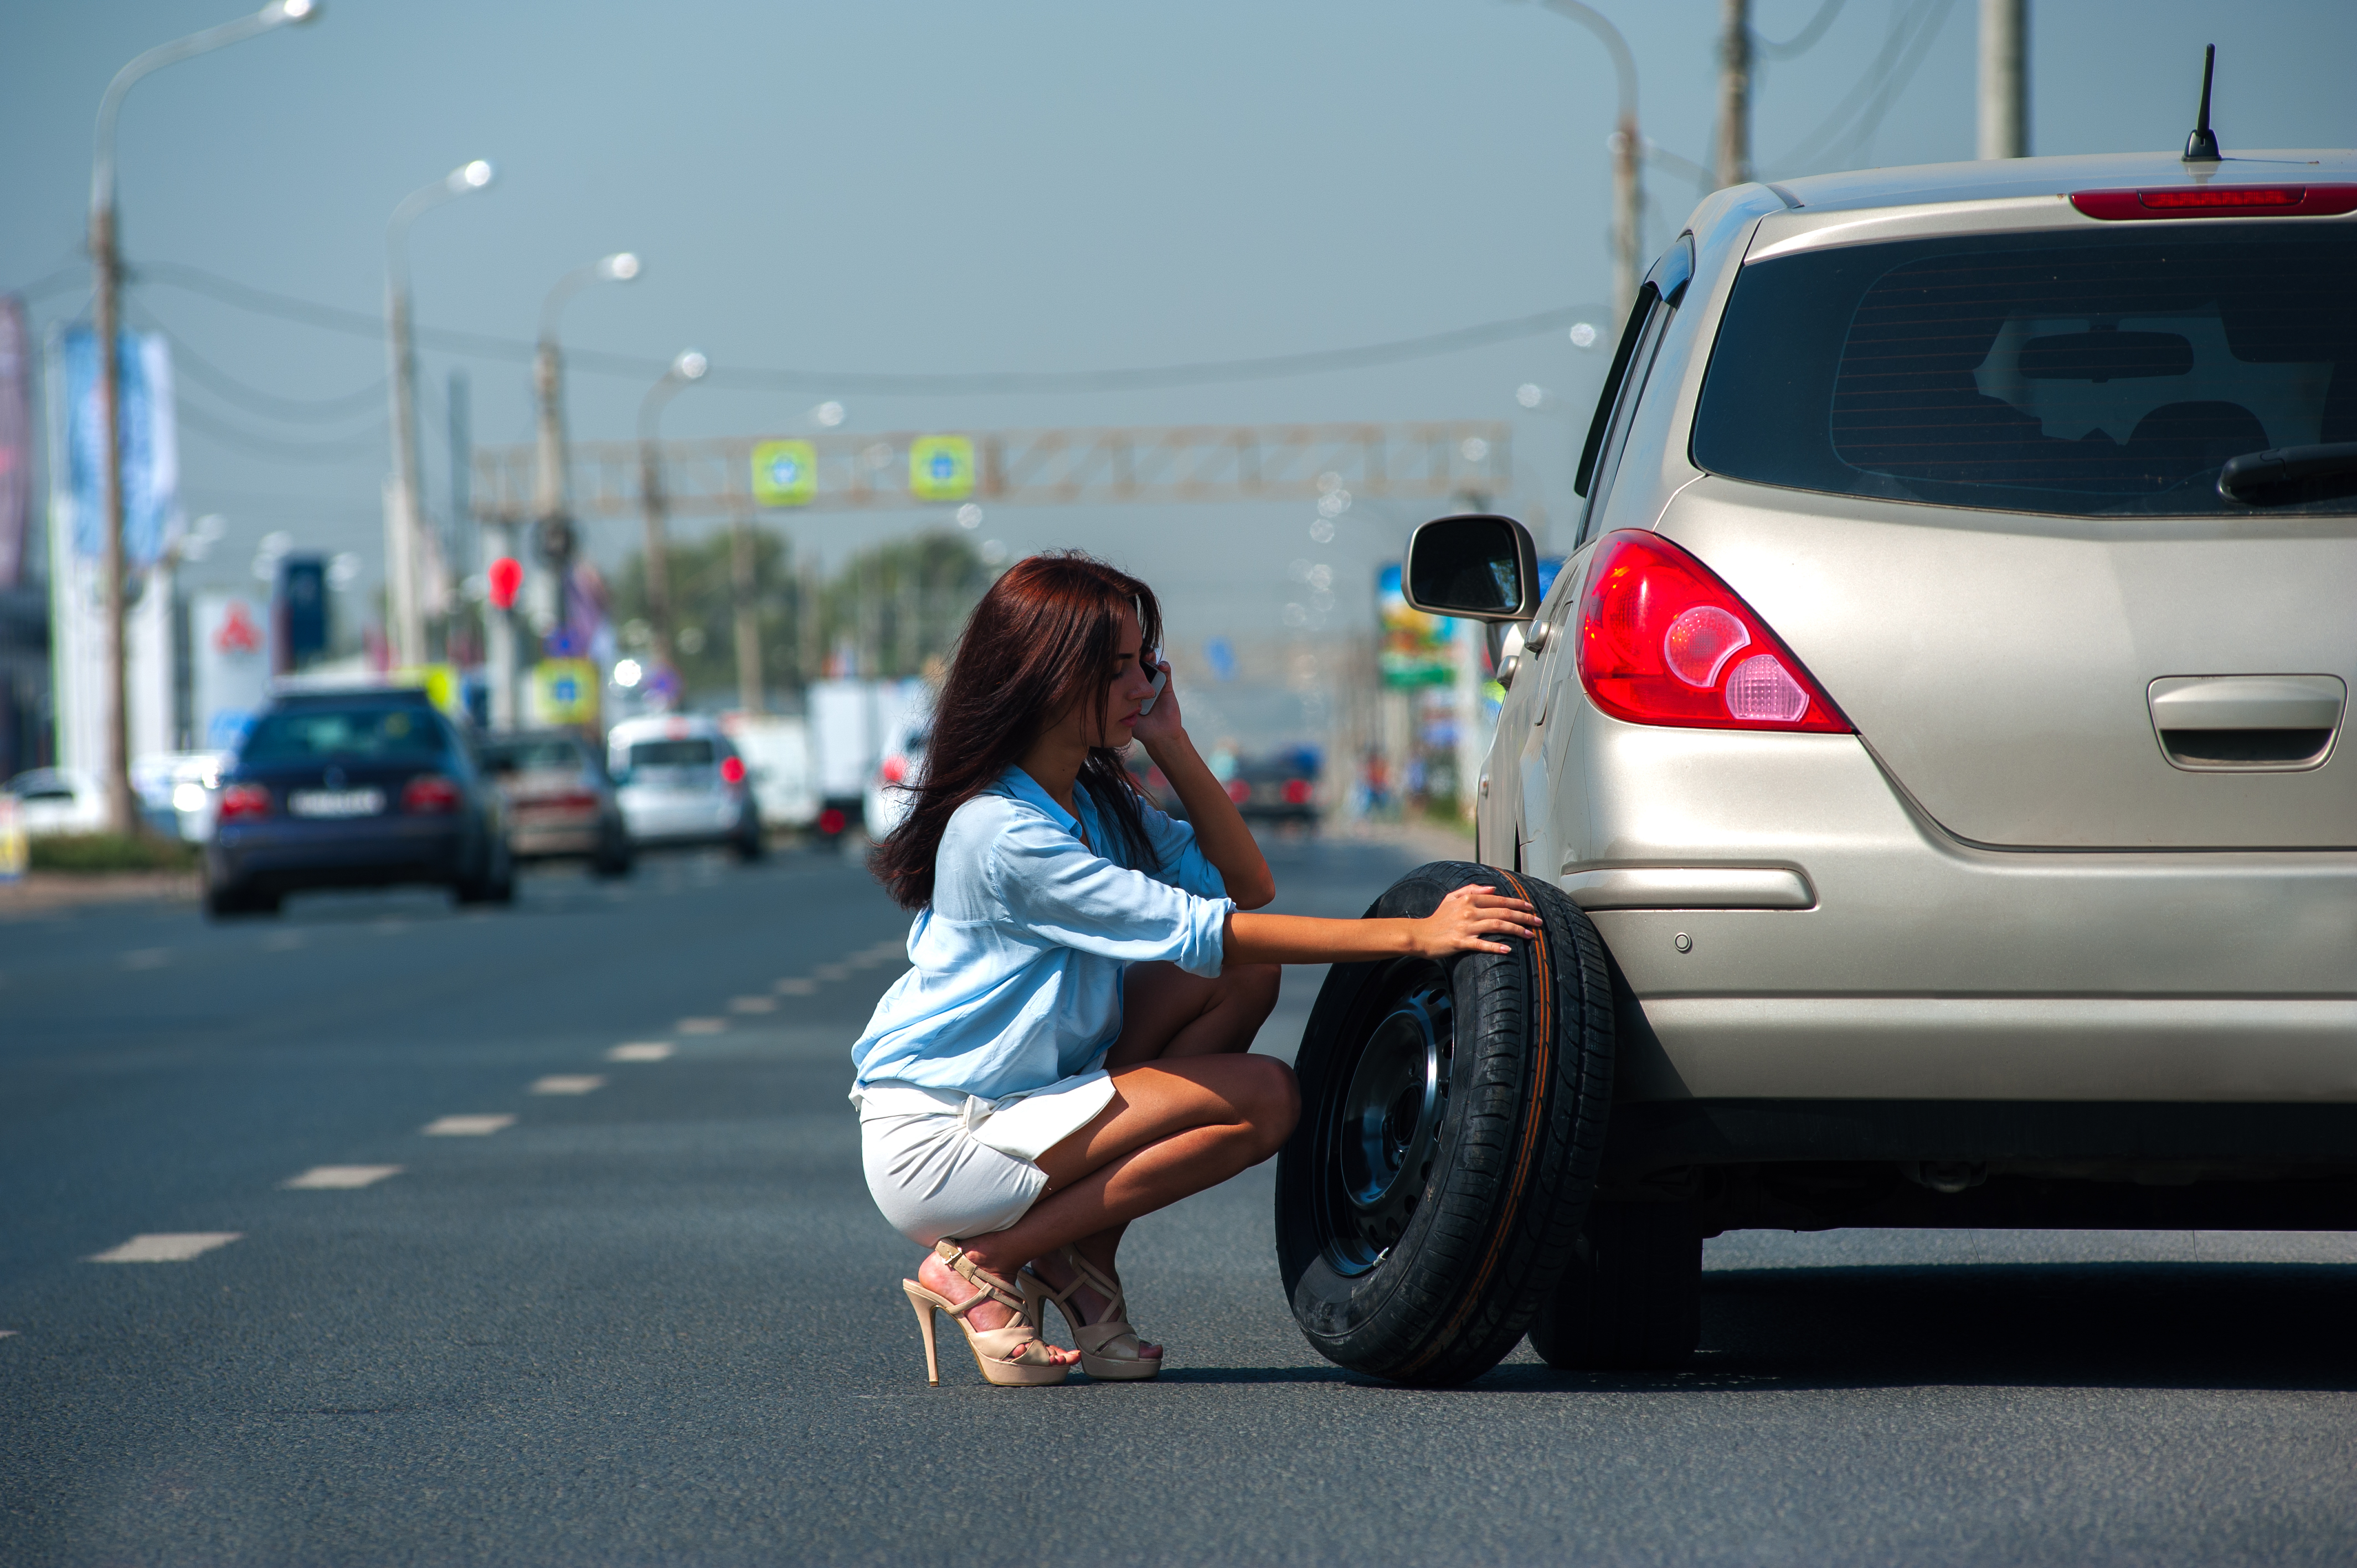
{"type": "Point", "coordinates": [12, 840]}
{"type": "Point", "coordinates": [564, 691]}
{"type": "Point", "coordinates": [442, 685]}
{"type": "Point", "coordinates": [785, 473]}
{"type": "Point", "coordinates": [941, 468]}
{"type": "Point", "coordinates": [1417, 649]}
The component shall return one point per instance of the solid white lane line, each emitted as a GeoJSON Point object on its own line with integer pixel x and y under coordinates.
{"type": "Point", "coordinates": [465, 1126]}
{"type": "Point", "coordinates": [147, 957]}
{"type": "Point", "coordinates": [752, 1004]}
{"type": "Point", "coordinates": [641, 1051]}
{"type": "Point", "coordinates": [797, 988]}
{"type": "Point", "coordinates": [567, 1083]}
{"type": "Point", "coordinates": [340, 1177]}
{"type": "Point", "coordinates": [168, 1247]}
{"type": "Point", "coordinates": [700, 1026]}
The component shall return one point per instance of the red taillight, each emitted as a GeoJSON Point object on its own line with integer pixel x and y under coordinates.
{"type": "Point", "coordinates": [732, 771]}
{"type": "Point", "coordinates": [1663, 641]}
{"type": "Point", "coordinates": [242, 801]}
{"type": "Point", "coordinates": [895, 770]}
{"type": "Point", "coordinates": [1239, 791]}
{"type": "Point", "coordinates": [430, 792]}
{"type": "Point", "coordinates": [2218, 201]}
{"type": "Point", "coordinates": [1297, 791]}
{"type": "Point", "coordinates": [830, 821]}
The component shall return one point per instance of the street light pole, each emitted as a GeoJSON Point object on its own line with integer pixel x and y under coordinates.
{"type": "Point", "coordinates": [1628, 154]}
{"type": "Point", "coordinates": [1734, 93]}
{"type": "Point", "coordinates": [688, 368]}
{"type": "Point", "coordinates": [404, 606]}
{"type": "Point", "coordinates": [551, 486]}
{"type": "Point", "coordinates": [2005, 79]}
{"type": "Point", "coordinates": [106, 265]}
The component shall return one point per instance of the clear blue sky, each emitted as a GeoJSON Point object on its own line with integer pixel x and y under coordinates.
{"type": "Point", "coordinates": [911, 184]}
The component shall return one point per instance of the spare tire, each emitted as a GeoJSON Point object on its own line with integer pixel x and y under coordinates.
{"type": "Point", "coordinates": [1452, 1117]}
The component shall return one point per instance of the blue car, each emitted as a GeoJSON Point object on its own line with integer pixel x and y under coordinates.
{"type": "Point", "coordinates": [369, 788]}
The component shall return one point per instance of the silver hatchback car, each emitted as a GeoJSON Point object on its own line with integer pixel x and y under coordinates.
{"type": "Point", "coordinates": [1935, 730]}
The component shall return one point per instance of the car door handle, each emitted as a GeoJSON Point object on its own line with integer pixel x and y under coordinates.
{"type": "Point", "coordinates": [2211, 724]}
{"type": "Point", "coordinates": [2247, 702]}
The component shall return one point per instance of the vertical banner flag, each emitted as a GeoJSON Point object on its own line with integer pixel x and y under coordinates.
{"type": "Point", "coordinates": [150, 476]}
{"type": "Point", "coordinates": [15, 440]}
{"type": "Point", "coordinates": [1417, 650]}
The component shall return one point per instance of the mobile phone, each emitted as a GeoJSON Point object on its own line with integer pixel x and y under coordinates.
{"type": "Point", "coordinates": [1161, 679]}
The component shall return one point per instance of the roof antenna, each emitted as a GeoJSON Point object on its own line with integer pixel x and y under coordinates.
{"type": "Point", "coordinates": [2203, 145]}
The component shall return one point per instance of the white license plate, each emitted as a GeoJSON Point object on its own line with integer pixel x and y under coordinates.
{"type": "Point", "coordinates": [335, 802]}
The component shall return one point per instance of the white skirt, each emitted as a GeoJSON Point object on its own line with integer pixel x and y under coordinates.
{"type": "Point", "coordinates": [944, 1163]}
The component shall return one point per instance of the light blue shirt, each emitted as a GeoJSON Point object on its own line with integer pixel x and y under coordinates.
{"type": "Point", "coordinates": [1019, 957]}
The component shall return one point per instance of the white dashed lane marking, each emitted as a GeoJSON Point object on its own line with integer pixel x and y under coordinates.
{"type": "Point", "coordinates": [337, 1177]}
{"type": "Point", "coordinates": [465, 1126]}
{"type": "Point", "coordinates": [641, 1051]}
{"type": "Point", "coordinates": [7, 1334]}
{"type": "Point", "coordinates": [700, 1026]}
{"type": "Point", "coordinates": [283, 941]}
{"type": "Point", "coordinates": [797, 988]}
{"type": "Point", "coordinates": [752, 1004]}
{"type": "Point", "coordinates": [170, 1247]}
{"type": "Point", "coordinates": [147, 957]}
{"type": "Point", "coordinates": [567, 1083]}
{"type": "Point", "coordinates": [831, 972]}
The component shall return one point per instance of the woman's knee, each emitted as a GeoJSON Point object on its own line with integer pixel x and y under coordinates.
{"type": "Point", "coordinates": [1270, 1098]}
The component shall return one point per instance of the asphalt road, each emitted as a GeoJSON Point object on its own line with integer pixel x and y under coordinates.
{"type": "Point", "coordinates": [655, 1319]}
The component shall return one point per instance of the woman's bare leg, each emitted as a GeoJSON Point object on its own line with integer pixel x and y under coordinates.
{"type": "Point", "coordinates": [1168, 1015]}
{"type": "Point", "coordinates": [1172, 1129]}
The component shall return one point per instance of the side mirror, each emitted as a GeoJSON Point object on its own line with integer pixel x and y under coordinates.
{"type": "Point", "coordinates": [1478, 566]}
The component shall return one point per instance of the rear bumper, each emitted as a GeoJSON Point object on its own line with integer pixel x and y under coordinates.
{"type": "Point", "coordinates": [282, 855]}
{"type": "Point", "coordinates": [1788, 925]}
{"type": "Point", "coordinates": [530, 836]}
{"type": "Point", "coordinates": [682, 820]}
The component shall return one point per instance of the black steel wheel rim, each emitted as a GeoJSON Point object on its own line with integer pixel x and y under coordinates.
{"type": "Point", "coordinates": [1378, 1129]}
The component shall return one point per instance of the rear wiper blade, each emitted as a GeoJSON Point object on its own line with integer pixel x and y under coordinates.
{"type": "Point", "coordinates": [2290, 476]}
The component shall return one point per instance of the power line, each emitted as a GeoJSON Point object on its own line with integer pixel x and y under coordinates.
{"type": "Point", "coordinates": [1904, 27]}
{"type": "Point", "coordinates": [1871, 120]}
{"type": "Point", "coordinates": [1140, 379]}
{"type": "Point", "coordinates": [1805, 39]}
{"type": "Point", "coordinates": [254, 400]}
{"type": "Point", "coordinates": [340, 449]}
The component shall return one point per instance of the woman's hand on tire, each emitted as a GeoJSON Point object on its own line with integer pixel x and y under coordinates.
{"type": "Point", "coordinates": [1472, 919]}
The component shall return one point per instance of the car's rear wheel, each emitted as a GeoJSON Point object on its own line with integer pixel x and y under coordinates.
{"type": "Point", "coordinates": [1452, 1118]}
{"type": "Point", "coordinates": [1632, 1298]}
{"type": "Point", "coordinates": [495, 883]}
{"type": "Point", "coordinates": [231, 901]}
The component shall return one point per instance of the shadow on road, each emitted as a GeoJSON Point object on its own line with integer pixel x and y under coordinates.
{"type": "Point", "coordinates": [2113, 1325]}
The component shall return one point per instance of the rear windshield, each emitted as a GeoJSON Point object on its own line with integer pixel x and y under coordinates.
{"type": "Point", "coordinates": [2082, 374]}
{"type": "Point", "coordinates": [303, 733]}
{"type": "Point", "coordinates": [671, 754]}
{"type": "Point", "coordinates": [525, 754]}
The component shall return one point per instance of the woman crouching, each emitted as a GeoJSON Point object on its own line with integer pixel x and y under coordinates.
{"type": "Point", "coordinates": [1071, 1049]}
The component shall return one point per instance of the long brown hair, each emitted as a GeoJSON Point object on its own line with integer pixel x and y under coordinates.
{"type": "Point", "coordinates": [1043, 638]}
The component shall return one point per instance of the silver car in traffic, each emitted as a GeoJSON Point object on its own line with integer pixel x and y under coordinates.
{"type": "Point", "coordinates": [1938, 717]}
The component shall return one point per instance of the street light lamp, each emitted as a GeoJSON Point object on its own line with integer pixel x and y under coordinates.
{"type": "Point", "coordinates": [1628, 152]}
{"type": "Point", "coordinates": [405, 610]}
{"type": "Point", "coordinates": [551, 511]}
{"type": "Point", "coordinates": [684, 371]}
{"type": "Point", "coordinates": [106, 262]}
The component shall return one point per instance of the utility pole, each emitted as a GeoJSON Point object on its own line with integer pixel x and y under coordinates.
{"type": "Point", "coordinates": [685, 369]}
{"type": "Point", "coordinates": [552, 510]}
{"type": "Point", "coordinates": [106, 322]}
{"type": "Point", "coordinates": [1734, 93]}
{"type": "Point", "coordinates": [1627, 145]}
{"type": "Point", "coordinates": [748, 623]}
{"type": "Point", "coordinates": [2005, 79]}
{"type": "Point", "coordinates": [404, 522]}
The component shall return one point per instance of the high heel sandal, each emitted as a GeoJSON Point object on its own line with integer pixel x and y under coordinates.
{"type": "Point", "coordinates": [1110, 1350]}
{"type": "Point", "coordinates": [1011, 1356]}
